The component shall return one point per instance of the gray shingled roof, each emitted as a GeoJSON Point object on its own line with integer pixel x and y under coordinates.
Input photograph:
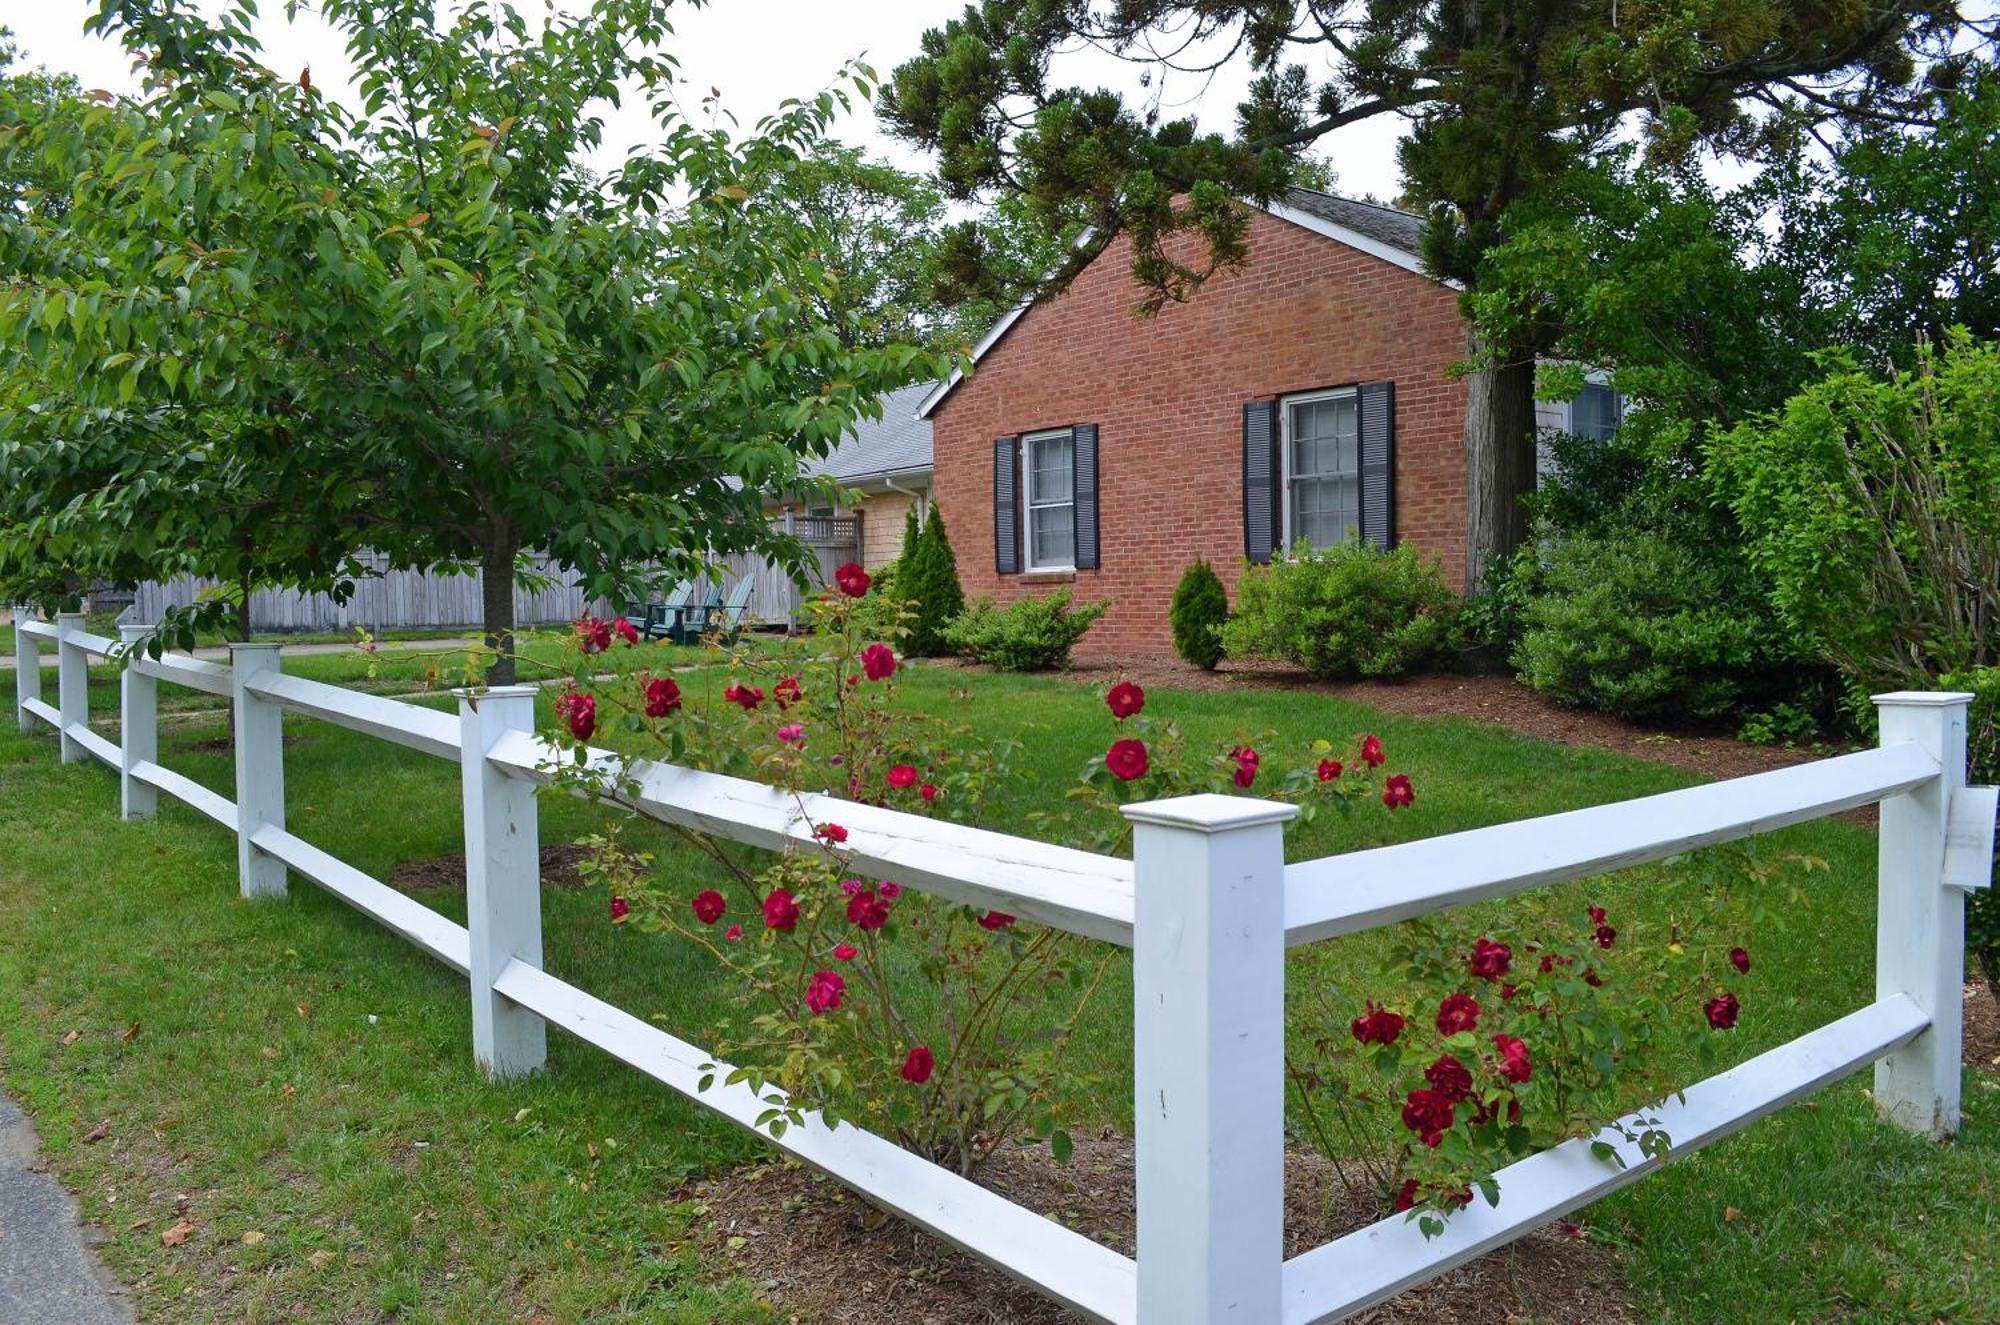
{"type": "Point", "coordinates": [898, 443]}
{"type": "Point", "coordinates": [1394, 227]}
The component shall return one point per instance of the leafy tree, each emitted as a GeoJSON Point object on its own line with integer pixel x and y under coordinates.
{"type": "Point", "coordinates": [1504, 97]}
{"type": "Point", "coordinates": [461, 342]}
{"type": "Point", "coordinates": [898, 267]}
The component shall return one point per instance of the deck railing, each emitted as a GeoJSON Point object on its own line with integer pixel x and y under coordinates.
{"type": "Point", "coordinates": [1207, 905]}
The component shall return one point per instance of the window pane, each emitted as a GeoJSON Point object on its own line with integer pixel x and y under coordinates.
{"type": "Point", "coordinates": [1052, 535]}
{"type": "Point", "coordinates": [1325, 464]}
{"type": "Point", "coordinates": [1595, 413]}
{"type": "Point", "coordinates": [1050, 459]}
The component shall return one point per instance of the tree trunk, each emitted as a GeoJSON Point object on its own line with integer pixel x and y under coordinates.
{"type": "Point", "coordinates": [243, 612]}
{"type": "Point", "coordinates": [1499, 463]}
{"type": "Point", "coordinates": [497, 604]}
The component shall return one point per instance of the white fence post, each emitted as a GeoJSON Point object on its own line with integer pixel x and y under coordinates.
{"type": "Point", "coordinates": [1208, 975]}
{"type": "Point", "coordinates": [1920, 927]}
{"type": "Point", "coordinates": [260, 768]}
{"type": "Point", "coordinates": [72, 683]}
{"type": "Point", "coordinates": [27, 668]}
{"type": "Point", "coordinates": [503, 879]}
{"type": "Point", "coordinates": [138, 729]}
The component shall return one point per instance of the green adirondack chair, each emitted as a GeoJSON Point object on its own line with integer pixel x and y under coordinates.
{"type": "Point", "coordinates": [692, 621]}
{"type": "Point", "coordinates": [661, 616]}
{"type": "Point", "coordinates": [736, 609]}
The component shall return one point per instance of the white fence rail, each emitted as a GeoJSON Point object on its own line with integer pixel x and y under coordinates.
{"type": "Point", "coordinates": [1207, 906]}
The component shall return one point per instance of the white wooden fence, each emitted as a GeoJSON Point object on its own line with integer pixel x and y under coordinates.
{"type": "Point", "coordinates": [1208, 907]}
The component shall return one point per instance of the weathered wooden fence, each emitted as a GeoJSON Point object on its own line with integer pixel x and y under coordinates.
{"type": "Point", "coordinates": [1208, 907]}
{"type": "Point", "coordinates": [440, 600]}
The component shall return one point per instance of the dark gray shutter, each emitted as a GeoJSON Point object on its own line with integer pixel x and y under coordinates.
{"type": "Point", "coordinates": [1378, 463]}
{"type": "Point", "coordinates": [1006, 506]}
{"type": "Point", "coordinates": [1083, 478]}
{"type": "Point", "coordinates": [1262, 505]}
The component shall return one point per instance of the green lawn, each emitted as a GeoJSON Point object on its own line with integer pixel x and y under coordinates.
{"type": "Point", "coordinates": [391, 1183]}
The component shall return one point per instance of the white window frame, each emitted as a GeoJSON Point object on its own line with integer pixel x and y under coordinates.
{"type": "Point", "coordinates": [1285, 540]}
{"type": "Point", "coordinates": [1029, 502]}
{"type": "Point", "coordinates": [1591, 379]}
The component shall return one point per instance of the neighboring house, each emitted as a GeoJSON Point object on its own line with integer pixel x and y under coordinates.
{"type": "Point", "coordinates": [1303, 396]}
{"type": "Point", "coordinates": [888, 464]}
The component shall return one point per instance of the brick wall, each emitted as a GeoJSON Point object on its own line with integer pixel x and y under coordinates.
{"type": "Point", "coordinates": [1168, 393]}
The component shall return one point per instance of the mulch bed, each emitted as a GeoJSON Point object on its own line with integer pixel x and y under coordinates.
{"type": "Point", "coordinates": [559, 870]}
{"type": "Point", "coordinates": [1982, 1026]}
{"type": "Point", "coordinates": [1493, 698]}
{"type": "Point", "coordinates": [826, 1257]}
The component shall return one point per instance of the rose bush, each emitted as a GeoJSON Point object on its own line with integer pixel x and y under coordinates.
{"type": "Point", "coordinates": [1488, 1044]}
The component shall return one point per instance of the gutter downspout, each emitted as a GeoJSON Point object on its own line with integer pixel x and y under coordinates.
{"type": "Point", "coordinates": [923, 511]}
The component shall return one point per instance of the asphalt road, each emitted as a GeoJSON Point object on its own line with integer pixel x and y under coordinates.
{"type": "Point", "coordinates": [47, 1273]}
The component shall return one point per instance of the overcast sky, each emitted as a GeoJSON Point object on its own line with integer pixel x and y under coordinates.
{"type": "Point", "coordinates": [758, 52]}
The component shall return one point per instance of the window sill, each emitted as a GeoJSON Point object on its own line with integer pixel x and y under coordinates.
{"type": "Point", "coordinates": [1051, 575]}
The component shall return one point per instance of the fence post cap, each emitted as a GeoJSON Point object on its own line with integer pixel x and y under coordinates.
{"type": "Point", "coordinates": [246, 646]}
{"type": "Point", "coordinates": [132, 633]}
{"type": "Point", "coordinates": [473, 694]}
{"type": "Point", "coordinates": [1209, 812]}
{"type": "Point", "coordinates": [72, 616]}
{"type": "Point", "coordinates": [1923, 698]}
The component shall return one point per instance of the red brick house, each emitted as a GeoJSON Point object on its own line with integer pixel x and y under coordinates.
{"type": "Point", "coordinates": [1303, 395]}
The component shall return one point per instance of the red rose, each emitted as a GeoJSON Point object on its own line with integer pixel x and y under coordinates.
{"type": "Point", "coordinates": [1514, 1064]}
{"type": "Point", "coordinates": [1460, 1012]}
{"type": "Point", "coordinates": [995, 920]}
{"type": "Point", "coordinates": [1489, 959]}
{"type": "Point", "coordinates": [592, 635]}
{"type": "Point", "coordinates": [824, 991]}
{"type": "Point", "coordinates": [853, 581]}
{"type": "Point", "coordinates": [1329, 770]}
{"type": "Point", "coordinates": [1397, 792]}
{"type": "Point", "coordinates": [879, 662]}
{"type": "Point", "coordinates": [1246, 766]}
{"type": "Point", "coordinates": [787, 692]}
{"type": "Point", "coordinates": [620, 908]}
{"type": "Point", "coordinates": [749, 697]}
{"type": "Point", "coordinates": [928, 792]}
{"type": "Point", "coordinates": [1449, 1078]}
{"type": "Point", "coordinates": [1484, 1113]}
{"type": "Point", "coordinates": [662, 697]}
{"type": "Point", "coordinates": [830, 833]}
{"type": "Point", "coordinates": [781, 912]}
{"type": "Point", "coordinates": [1371, 751]}
{"type": "Point", "coordinates": [867, 912]}
{"type": "Point", "coordinates": [1593, 979]}
{"type": "Point", "coordinates": [902, 777]}
{"type": "Point", "coordinates": [1605, 936]}
{"type": "Point", "coordinates": [1406, 1196]}
{"type": "Point", "coordinates": [846, 952]}
{"type": "Point", "coordinates": [733, 933]}
{"type": "Point", "coordinates": [1550, 961]}
{"type": "Point", "coordinates": [1721, 1011]}
{"type": "Point", "coordinates": [579, 711]}
{"type": "Point", "coordinates": [917, 1067]}
{"type": "Point", "coordinates": [1428, 1114]}
{"type": "Point", "coordinates": [1740, 960]}
{"type": "Point", "coordinates": [890, 891]}
{"type": "Point", "coordinates": [1596, 915]}
{"type": "Point", "coordinates": [1377, 1025]}
{"type": "Point", "coordinates": [1125, 699]}
{"type": "Point", "coordinates": [1126, 759]}
{"type": "Point", "coordinates": [1507, 993]}
{"type": "Point", "coordinates": [626, 630]}
{"type": "Point", "coordinates": [709, 906]}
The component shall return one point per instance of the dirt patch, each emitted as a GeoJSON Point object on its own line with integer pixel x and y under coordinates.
{"type": "Point", "coordinates": [223, 744]}
{"type": "Point", "coordinates": [1490, 698]}
{"type": "Point", "coordinates": [825, 1257]}
{"type": "Point", "coordinates": [559, 870]}
{"type": "Point", "coordinates": [1982, 1026]}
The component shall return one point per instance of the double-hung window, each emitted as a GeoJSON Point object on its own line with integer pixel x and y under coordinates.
{"type": "Point", "coordinates": [1596, 413]}
{"type": "Point", "coordinates": [1322, 467]}
{"type": "Point", "coordinates": [1048, 465]}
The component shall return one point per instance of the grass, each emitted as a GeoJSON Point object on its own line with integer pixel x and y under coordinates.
{"type": "Point", "coordinates": [302, 1076]}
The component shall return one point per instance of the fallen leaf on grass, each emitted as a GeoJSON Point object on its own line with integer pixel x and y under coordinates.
{"type": "Point", "coordinates": [97, 1133]}
{"type": "Point", "coordinates": [180, 1204]}
{"type": "Point", "coordinates": [305, 1009]}
{"type": "Point", "coordinates": [142, 1223]}
{"type": "Point", "coordinates": [319, 1260]}
{"type": "Point", "coordinates": [178, 1234]}
{"type": "Point", "coordinates": [252, 1238]}
{"type": "Point", "coordinates": [131, 1034]}
{"type": "Point", "coordinates": [289, 1090]}
{"type": "Point", "coordinates": [268, 1052]}
{"type": "Point", "coordinates": [1731, 1214]}
{"type": "Point", "coordinates": [70, 1039]}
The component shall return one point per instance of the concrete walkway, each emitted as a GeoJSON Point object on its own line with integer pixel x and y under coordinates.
{"type": "Point", "coordinates": [47, 1272]}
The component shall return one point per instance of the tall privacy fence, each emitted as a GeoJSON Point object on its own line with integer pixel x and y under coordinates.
{"type": "Point", "coordinates": [1208, 907]}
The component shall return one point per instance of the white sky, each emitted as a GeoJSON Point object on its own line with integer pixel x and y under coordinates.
{"type": "Point", "coordinates": [758, 52]}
